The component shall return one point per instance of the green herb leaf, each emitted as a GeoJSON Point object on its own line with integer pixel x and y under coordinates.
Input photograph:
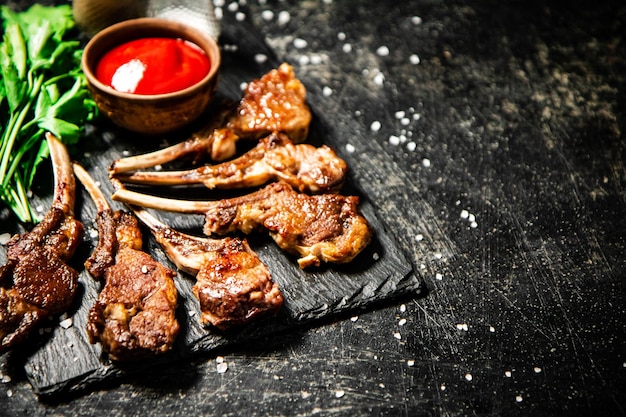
{"type": "Point", "coordinates": [42, 89]}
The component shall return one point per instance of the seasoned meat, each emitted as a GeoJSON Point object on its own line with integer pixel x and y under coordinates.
{"type": "Point", "coordinates": [232, 285]}
{"type": "Point", "coordinates": [274, 103]}
{"type": "Point", "coordinates": [135, 312]}
{"type": "Point", "coordinates": [276, 157]}
{"type": "Point", "coordinates": [319, 228]}
{"type": "Point", "coordinates": [36, 282]}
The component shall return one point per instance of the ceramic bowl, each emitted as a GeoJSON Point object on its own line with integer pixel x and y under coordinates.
{"type": "Point", "coordinates": [151, 114]}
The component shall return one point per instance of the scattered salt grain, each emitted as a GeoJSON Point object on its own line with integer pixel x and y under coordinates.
{"type": "Point", "coordinates": [305, 394]}
{"type": "Point", "coordinates": [492, 329]}
{"type": "Point", "coordinates": [382, 51]}
{"type": "Point", "coordinates": [304, 60]}
{"type": "Point", "coordinates": [327, 91]}
{"type": "Point", "coordinates": [438, 256]}
{"type": "Point", "coordinates": [402, 308]}
{"type": "Point", "coordinates": [221, 367]}
{"type": "Point", "coordinates": [405, 121]}
{"type": "Point", "coordinates": [341, 36]}
{"type": "Point", "coordinates": [438, 276]}
{"type": "Point", "coordinates": [260, 58]}
{"type": "Point", "coordinates": [346, 47]}
{"type": "Point", "coordinates": [5, 378]}
{"type": "Point", "coordinates": [464, 214]}
{"type": "Point", "coordinates": [416, 20]}
{"type": "Point", "coordinates": [240, 16]}
{"type": "Point", "coordinates": [9, 393]}
{"type": "Point", "coordinates": [394, 140]}
{"type": "Point", "coordinates": [462, 326]}
{"type": "Point", "coordinates": [442, 387]}
{"type": "Point", "coordinates": [4, 238]}
{"type": "Point", "coordinates": [125, 152]}
{"type": "Point", "coordinates": [379, 78]}
{"type": "Point", "coordinates": [537, 370]}
{"type": "Point", "coordinates": [267, 15]}
{"type": "Point", "coordinates": [67, 323]}
{"type": "Point", "coordinates": [300, 43]}
{"type": "Point", "coordinates": [283, 17]}
{"type": "Point", "coordinates": [39, 209]}
{"type": "Point", "coordinates": [468, 377]}
{"type": "Point", "coordinates": [316, 59]}
{"type": "Point", "coordinates": [411, 146]}
{"type": "Point", "coordinates": [375, 126]}
{"type": "Point", "coordinates": [402, 322]}
{"type": "Point", "coordinates": [397, 335]}
{"type": "Point", "coordinates": [144, 269]}
{"type": "Point", "coordinates": [354, 318]}
{"type": "Point", "coordinates": [414, 59]}
{"type": "Point", "coordinates": [375, 256]}
{"type": "Point", "coordinates": [233, 7]}
{"type": "Point", "coordinates": [426, 162]}
{"type": "Point", "coordinates": [518, 398]}
{"type": "Point", "coordinates": [410, 362]}
{"type": "Point", "coordinates": [339, 393]}
{"type": "Point", "coordinates": [508, 374]}
{"type": "Point", "coordinates": [219, 13]}
{"type": "Point", "coordinates": [350, 148]}
{"type": "Point", "coordinates": [400, 114]}
{"type": "Point", "coordinates": [419, 237]}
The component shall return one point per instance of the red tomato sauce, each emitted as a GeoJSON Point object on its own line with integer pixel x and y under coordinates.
{"type": "Point", "coordinates": [153, 66]}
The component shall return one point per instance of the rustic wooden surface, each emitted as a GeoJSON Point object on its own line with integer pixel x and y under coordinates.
{"type": "Point", "coordinates": [499, 168]}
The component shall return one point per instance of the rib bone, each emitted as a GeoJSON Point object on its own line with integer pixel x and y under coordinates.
{"type": "Point", "coordinates": [135, 313]}
{"type": "Point", "coordinates": [233, 286]}
{"type": "Point", "coordinates": [36, 281]}
{"type": "Point", "coordinates": [319, 228]}
{"type": "Point", "coordinates": [273, 103]}
{"type": "Point", "coordinates": [276, 157]}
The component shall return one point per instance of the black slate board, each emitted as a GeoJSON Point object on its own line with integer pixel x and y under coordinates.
{"type": "Point", "coordinates": [60, 360]}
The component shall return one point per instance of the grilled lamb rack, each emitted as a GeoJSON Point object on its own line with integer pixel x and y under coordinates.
{"type": "Point", "coordinates": [135, 313]}
{"type": "Point", "coordinates": [319, 228]}
{"type": "Point", "coordinates": [36, 282]}
{"type": "Point", "coordinates": [276, 157]}
{"type": "Point", "coordinates": [233, 286]}
{"type": "Point", "coordinates": [273, 103]}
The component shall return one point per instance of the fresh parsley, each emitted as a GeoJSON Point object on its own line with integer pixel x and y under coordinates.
{"type": "Point", "coordinates": [42, 89]}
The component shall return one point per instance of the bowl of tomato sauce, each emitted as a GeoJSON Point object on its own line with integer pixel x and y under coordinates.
{"type": "Point", "coordinates": [152, 75]}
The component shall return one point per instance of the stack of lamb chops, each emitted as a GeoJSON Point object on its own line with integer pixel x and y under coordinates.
{"type": "Point", "coordinates": [300, 207]}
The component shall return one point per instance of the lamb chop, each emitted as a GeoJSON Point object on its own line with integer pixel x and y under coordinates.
{"type": "Point", "coordinates": [233, 286]}
{"type": "Point", "coordinates": [36, 282]}
{"type": "Point", "coordinates": [273, 103]}
{"type": "Point", "coordinates": [303, 166]}
{"type": "Point", "coordinates": [135, 313]}
{"type": "Point", "coordinates": [319, 228]}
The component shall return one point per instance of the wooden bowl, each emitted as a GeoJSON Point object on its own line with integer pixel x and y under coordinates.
{"type": "Point", "coordinates": [151, 114]}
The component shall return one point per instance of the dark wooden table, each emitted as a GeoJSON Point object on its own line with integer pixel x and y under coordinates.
{"type": "Point", "coordinates": [495, 154]}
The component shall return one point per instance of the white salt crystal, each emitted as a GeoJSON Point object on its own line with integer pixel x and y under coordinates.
{"type": "Point", "coordinates": [300, 43]}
